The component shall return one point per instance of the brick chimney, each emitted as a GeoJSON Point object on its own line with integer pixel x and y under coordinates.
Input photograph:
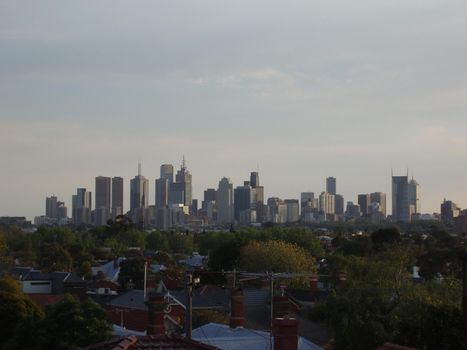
{"type": "Point", "coordinates": [156, 306]}
{"type": "Point", "coordinates": [237, 309]}
{"type": "Point", "coordinates": [285, 332]}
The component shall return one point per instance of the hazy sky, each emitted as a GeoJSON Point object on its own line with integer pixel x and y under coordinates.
{"type": "Point", "coordinates": [306, 89]}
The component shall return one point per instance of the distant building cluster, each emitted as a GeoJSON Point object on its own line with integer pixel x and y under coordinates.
{"type": "Point", "coordinates": [241, 205]}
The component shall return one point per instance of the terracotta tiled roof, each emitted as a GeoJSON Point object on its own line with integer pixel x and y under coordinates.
{"type": "Point", "coordinates": [163, 342]}
{"type": "Point", "coordinates": [43, 300]}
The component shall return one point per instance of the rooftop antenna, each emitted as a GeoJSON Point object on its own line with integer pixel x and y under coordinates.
{"type": "Point", "coordinates": [183, 162]}
{"type": "Point", "coordinates": [139, 167]}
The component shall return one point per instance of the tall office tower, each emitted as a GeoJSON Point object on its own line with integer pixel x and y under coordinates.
{"type": "Point", "coordinates": [449, 211]}
{"type": "Point", "coordinates": [167, 172]}
{"type": "Point", "coordinates": [182, 186]}
{"type": "Point", "coordinates": [117, 196]}
{"type": "Point", "coordinates": [331, 185]}
{"type": "Point", "coordinates": [209, 196]}
{"type": "Point", "coordinates": [103, 186]}
{"type": "Point", "coordinates": [364, 201]}
{"type": "Point", "coordinates": [293, 210]}
{"type": "Point", "coordinates": [62, 211]}
{"type": "Point", "coordinates": [254, 179]}
{"type": "Point", "coordinates": [327, 203]}
{"type": "Point", "coordinates": [414, 197]}
{"type": "Point", "coordinates": [277, 210]}
{"type": "Point", "coordinates": [225, 202]}
{"type": "Point", "coordinates": [194, 207]}
{"type": "Point", "coordinates": [162, 192]}
{"type": "Point", "coordinates": [306, 197]}
{"type": "Point", "coordinates": [339, 204]}
{"type": "Point", "coordinates": [139, 191]}
{"type": "Point", "coordinates": [244, 200]}
{"type": "Point", "coordinates": [380, 198]}
{"type": "Point", "coordinates": [400, 199]}
{"type": "Point", "coordinates": [81, 207]}
{"type": "Point", "coordinates": [352, 211]}
{"type": "Point", "coordinates": [51, 204]}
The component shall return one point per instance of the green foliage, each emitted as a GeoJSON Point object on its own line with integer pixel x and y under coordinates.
{"type": "Point", "coordinates": [132, 270]}
{"type": "Point", "coordinates": [75, 323]}
{"type": "Point", "coordinates": [157, 241]}
{"type": "Point", "coordinates": [385, 237]}
{"type": "Point", "coordinates": [54, 257]}
{"type": "Point", "coordinates": [277, 256]}
{"type": "Point", "coordinates": [180, 243]}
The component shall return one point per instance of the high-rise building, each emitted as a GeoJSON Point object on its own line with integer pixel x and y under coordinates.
{"type": "Point", "coordinates": [162, 192]}
{"type": "Point", "coordinates": [117, 196]}
{"type": "Point", "coordinates": [277, 210]}
{"type": "Point", "coordinates": [225, 202]}
{"type": "Point", "coordinates": [51, 204]}
{"type": "Point", "coordinates": [103, 194]}
{"type": "Point", "coordinates": [331, 185]}
{"type": "Point", "coordinates": [81, 207]}
{"type": "Point", "coordinates": [327, 203]}
{"type": "Point", "coordinates": [167, 172]}
{"type": "Point", "coordinates": [244, 199]}
{"type": "Point", "coordinates": [414, 197]}
{"type": "Point", "coordinates": [139, 191]}
{"type": "Point", "coordinates": [180, 191]}
{"type": "Point", "coordinates": [380, 198]}
{"type": "Point", "coordinates": [306, 197]}
{"type": "Point", "coordinates": [339, 204]}
{"type": "Point", "coordinates": [364, 201]}
{"type": "Point", "coordinates": [352, 211]}
{"type": "Point", "coordinates": [449, 211]}
{"type": "Point", "coordinates": [209, 196]}
{"type": "Point", "coordinates": [293, 210]}
{"type": "Point", "coordinates": [254, 179]}
{"type": "Point", "coordinates": [400, 199]}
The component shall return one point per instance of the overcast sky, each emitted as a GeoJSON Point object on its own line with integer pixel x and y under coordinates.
{"type": "Point", "coordinates": [304, 89]}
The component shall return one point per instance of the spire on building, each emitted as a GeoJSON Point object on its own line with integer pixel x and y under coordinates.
{"type": "Point", "coordinates": [139, 168]}
{"type": "Point", "coordinates": [183, 163]}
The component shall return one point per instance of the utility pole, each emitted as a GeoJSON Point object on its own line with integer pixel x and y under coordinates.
{"type": "Point", "coordinates": [272, 308]}
{"type": "Point", "coordinates": [189, 306]}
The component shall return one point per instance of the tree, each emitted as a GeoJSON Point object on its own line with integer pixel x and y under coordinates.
{"type": "Point", "coordinates": [74, 324]}
{"type": "Point", "coordinates": [15, 309]}
{"type": "Point", "coordinates": [385, 237]}
{"type": "Point", "coordinates": [132, 269]}
{"type": "Point", "coordinates": [181, 243]}
{"type": "Point", "coordinates": [157, 241]}
{"type": "Point", "coordinates": [276, 256]}
{"type": "Point", "coordinates": [53, 257]}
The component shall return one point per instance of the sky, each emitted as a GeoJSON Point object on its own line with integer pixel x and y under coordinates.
{"type": "Point", "coordinates": [300, 89]}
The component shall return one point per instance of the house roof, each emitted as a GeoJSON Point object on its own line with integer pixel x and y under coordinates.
{"type": "Point", "coordinates": [206, 297]}
{"type": "Point", "coordinates": [133, 299]}
{"type": "Point", "coordinates": [240, 338]}
{"type": "Point", "coordinates": [162, 342]}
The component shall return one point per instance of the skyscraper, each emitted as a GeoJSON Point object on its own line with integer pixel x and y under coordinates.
{"type": "Point", "coordinates": [225, 201]}
{"type": "Point", "coordinates": [414, 197]}
{"type": "Point", "coordinates": [364, 201]}
{"type": "Point", "coordinates": [380, 198]}
{"type": "Point", "coordinates": [327, 203]}
{"type": "Point", "coordinates": [244, 199]}
{"type": "Point", "coordinates": [400, 199]}
{"type": "Point", "coordinates": [167, 172]}
{"type": "Point", "coordinates": [81, 207]}
{"type": "Point", "coordinates": [162, 192]}
{"type": "Point", "coordinates": [306, 197]}
{"type": "Point", "coordinates": [210, 195]}
{"type": "Point", "coordinates": [254, 179]}
{"type": "Point", "coordinates": [339, 204]}
{"type": "Point", "coordinates": [103, 185]}
{"type": "Point", "coordinates": [331, 185]}
{"type": "Point", "coordinates": [139, 190]}
{"type": "Point", "coordinates": [181, 189]}
{"type": "Point", "coordinates": [117, 196]}
{"type": "Point", "coordinates": [51, 204]}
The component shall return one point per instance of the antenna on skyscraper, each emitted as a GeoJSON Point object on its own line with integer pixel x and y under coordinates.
{"type": "Point", "coordinates": [183, 162]}
{"type": "Point", "coordinates": [139, 167]}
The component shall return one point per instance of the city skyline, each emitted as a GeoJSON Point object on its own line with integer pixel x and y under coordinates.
{"type": "Point", "coordinates": [269, 193]}
{"type": "Point", "coordinates": [306, 90]}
